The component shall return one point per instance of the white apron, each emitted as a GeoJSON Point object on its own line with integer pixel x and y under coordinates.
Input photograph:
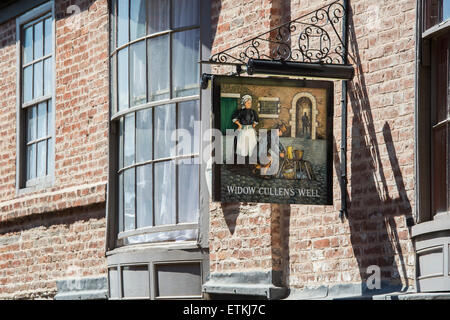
{"type": "Point", "coordinates": [246, 141]}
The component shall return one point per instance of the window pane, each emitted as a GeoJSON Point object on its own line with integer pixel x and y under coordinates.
{"type": "Point", "coordinates": [28, 45]}
{"type": "Point", "coordinates": [164, 193]}
{"type": "Point", "coordinates": [129, 140]}
{"type": "Point", "coordinates": [31, 124]}
{"type": "Point", "coordinates": [113, 87]}
{"type": "Point", "coordinates": [121, 152]}
{"type": "Point", "coordinates": [164, 127]}
{"type": "Point", "coordinates": [122, 22]}
{"type": "Point", "coordinates": [50, 156]}
{"type": "Point", "coordinates": [144, 135]}
{"type": "Point", "coordinates": [442, 79]}
{"type": "Point", "coordinates": [48, 45]}
{"type": "Point", "coordinates": [41, 158]}
{"type": "Point", "coordinates": [436, 11]}
{"type": "Point", "coordinates": [188, 191]}
{"type": "Point", "coordinates": [158, 71]}
{"type": "Point", "coordinates": [137, 19]}
{"type": "Point", "coordinates": [42, 120]}
{"type": "Point", "coordinates": [122, 85]}
{"type": "Point", "coordinates": [439, 191]}
{"type": "Point", "coordinates": [158, 16]}
{"type": "Point", "coordinates": [144, 196]}
{"type": "Point", "coordinates": [129, 199]}
{"type": "Point", "coordinates": [48, 76]}
{"type": "Point", "coordinates": [31, 161]}
{"type": "Point", "coordinates": [38, 80]}
{"type": "Point", "coordinates": [185, 13]}
{"type": "Point", "coordinates": [50, 132]}
{"type": "Point", "coordinates": [446, 10]}
{"type": "Point", "coordinates": [28, 84]}
{"type": "Point", "coordinates": [188, 139]}
{"type": "Point", "coordinates": [50, 126]}
{"type": "Point", "coordinates": [448, 167]}
{"type": "Point", "coordinates": [38, 40]}
{"type": "Point", "coordinates": [137, 73]}
{"type": "Point", "coordinates": [185, 63]}
{"type": "Point", "coordinates": [120, 195]}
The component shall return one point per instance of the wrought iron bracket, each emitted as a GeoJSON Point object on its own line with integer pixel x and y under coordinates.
{"type": "Point", "coordinates": [314, 38]}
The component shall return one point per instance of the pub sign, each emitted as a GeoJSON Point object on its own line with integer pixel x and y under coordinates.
{"type": "Point", "coordinates": [275, 140]}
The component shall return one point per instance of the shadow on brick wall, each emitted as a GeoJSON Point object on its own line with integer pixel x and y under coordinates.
{"type": "Point", "coordinates": [373, 213]}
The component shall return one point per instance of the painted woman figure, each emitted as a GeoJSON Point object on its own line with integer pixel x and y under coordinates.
{"type": "Point", "coordinates": [246, 119]}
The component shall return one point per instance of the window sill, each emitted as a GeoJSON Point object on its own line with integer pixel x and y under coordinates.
{"type": "Point", "coordinates": [37, 184]}
{"type": "Point", "coordinates": [440, 223]}
{"type": "Point", "coordinates": [436, 29]}
{"type": "Point", "coordinates": [184, 245]}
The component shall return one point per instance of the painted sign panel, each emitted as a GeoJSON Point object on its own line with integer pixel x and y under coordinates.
{"type": "Point", "coordinates": [275, 140]}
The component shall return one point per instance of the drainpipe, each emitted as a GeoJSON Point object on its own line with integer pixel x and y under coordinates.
{"type": "Point", "coordinates": [343, 178]}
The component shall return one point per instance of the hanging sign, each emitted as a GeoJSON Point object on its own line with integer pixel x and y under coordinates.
{"type": "Point", "coordinates": [273, 140]}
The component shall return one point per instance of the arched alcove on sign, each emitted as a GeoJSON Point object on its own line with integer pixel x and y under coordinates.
{"type": "Point", "coordinates": [314, 112]}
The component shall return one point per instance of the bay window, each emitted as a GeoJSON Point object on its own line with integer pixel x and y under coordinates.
{"type": "Point", "coordinates": [155, 50]}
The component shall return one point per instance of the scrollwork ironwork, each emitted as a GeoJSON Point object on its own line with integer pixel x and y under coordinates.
{"type": "Point", "coordinates": [312, 38]}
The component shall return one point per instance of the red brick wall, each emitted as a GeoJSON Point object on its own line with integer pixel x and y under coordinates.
{"type": "Point", "coordinates": [315, 247]}
{"type": "Point", "coordinates": [58, 232]}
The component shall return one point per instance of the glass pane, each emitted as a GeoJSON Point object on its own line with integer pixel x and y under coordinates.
{"type": "Point", "coordinates": [164, 193]}
{"type": "Point", "coordinates": [48, 76]}
{"type": "Point", "coordinates": [28, 84]}
{"type": "Point", "coordinates": [120, 195]}
{"type": "Point", "coordinates": [144, 135]}
{"type": "Point", "coordinates": [129, 140]}
{"type": "Point", "coordinates": [442, 79]}
{"type": "Point", "coordinates": [113, 88]}
{"type": "Point", "coordinates": [42, 120]}
{"type": "Point", "coordinates": [50, 132]}
{"type": "Point", "coordinates": [122, 85]}
{"type": "Point", "coordinates": [188, 191]}
{"type": "Point", "coordinates": [28, 45]}
{"type": "Point", "coordinates": [41, 158]}
{"type": "Point", "coordinates": [188, 139]}
{"type": "Point", "coordinates": [185, 63]}
{"type": "Point", "coordinates": [144, 196]}
{"type": "Point", "coordinates": [50, 126]}
{"type": "Point", "coordinates": [121, 154]}
{"type": "Point", "coordinates": [38, 40]}
{"type": "Point", "coordinates": [164, 128]}
{"type": "Point", "coordinates": [122, 22]}
{"type": "Point", "coordinates": [31, 124]}
{"type": "Point", "coordinates": [175, 235]}
{"type": "Point", "coordinates": [129, 199]}
{"type": "Point", "coordinates": [31, 161]}
{"type": "Point", "coordinates": [50, 156]}
{"type": "Point", "coordinates": [137, 19]}
{"type": "Point", "coordinates": [440, 155]}
{"type": "Point", "coordinates": [448, 167]}
{"type": "Point", "coordinates": [48, 45]}
{"type": "Point", "coordinates": [137, 74]}
{"type": "Point", "coordinates": [158, 71]}
{"type": "Point", "coordinates": [38, 80]}
{"type": "Point", "coordinates": [446, 10]}
{"type": "Point", "coordinates": [158, 16]}
{"type": "Point", "coordinates": [185, 13]}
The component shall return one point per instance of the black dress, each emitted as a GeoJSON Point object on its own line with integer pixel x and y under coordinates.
{"type": "Point", "coordinates": [246, 117]}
